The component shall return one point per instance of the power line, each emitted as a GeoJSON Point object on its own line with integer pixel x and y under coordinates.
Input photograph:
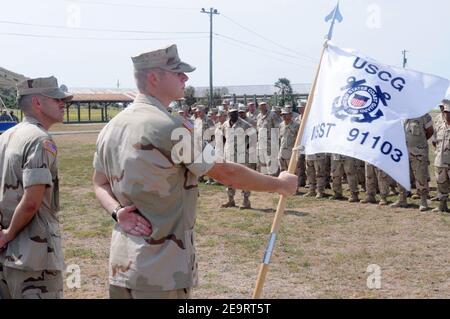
{"type": "Point", "coordinates": [267, 39]}
{"type": "Point", "coordinates": [94, 38]}
{"type": "Point", "coordinates": [258, 47]}
{"type": "Point", "coordinates": [115, 4]}
{"type": "Point", "coordinates": [262, 54]}
{"type": "Point", "coordinates": [98, 29]}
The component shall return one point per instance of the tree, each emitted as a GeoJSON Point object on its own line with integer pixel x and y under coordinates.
{"type": "Point", "coordinates": [9, 97]}
{"type": "Point", "coordinates": [218, 94]}
{"type": "Point", "coordinates": [284, 90]}
{"type": "Point", "coordinates": [189, 95]}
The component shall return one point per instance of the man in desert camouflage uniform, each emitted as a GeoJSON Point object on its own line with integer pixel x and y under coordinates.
{"type": "Point", "coordinates": [204, 126]}
{"type": "Point", "coordinates": [252, 113]}
{"type": "Point", "coordinates": [442, 159]}
{"type": "Point", "coordinates": [240, 147]}
{"type": "Point", "coordinates": [315, 173]}
{"type": "Point", "coordinates": [149, 183]}
{"type": "Point", "coordinates": [341, 164]}
{"type": "Point", "coordinates": [242, 110]}
{"type": "Point", "coordinates": [288, 134]}
{"type": "Point", "coordinates": [361, 173]}
{"type": "Point", "coordinates": [31, 257]}
{"type": "Point", "coordinates": [276, 111]}
{"type": "Point", "coordinates": [374, 177]}
{"type": "Point", "coordinates": [417, 133]}
{"type": "Point", "coordinates": [301, 165]}
{"type": "Point", "coordinates": [267, 153]}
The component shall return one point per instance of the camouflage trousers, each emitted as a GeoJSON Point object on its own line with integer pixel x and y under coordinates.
{"type": "Point", "coordinates": [338, 168]}
{"type": "Point", "coordinates": [327, 169]}
{"type": "Point", "coordinates": [20, 284]}
{"type": "Point", "coordinates": [315, 172]}
{"type": "Point", "coordinates": [361, 172]}
{"type": "Point", "coordinates": [231, 192]}
{"type": "Point", "coordinates": [301, 166]}
{"type": "Point", "coordinates": [443, 181]}
{"type": "Point", "coordinates": [374, 176]}
{"type": "Point", "coordinates": [419, 166]}
{"type": "Point", "coordinates": [116, 292]}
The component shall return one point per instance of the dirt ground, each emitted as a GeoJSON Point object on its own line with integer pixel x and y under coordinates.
{"type": "Point", "coordinates": [323, 249]}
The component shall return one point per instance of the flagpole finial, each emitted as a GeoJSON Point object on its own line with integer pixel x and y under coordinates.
{"type": "Point", "coordinates": [334, 15]}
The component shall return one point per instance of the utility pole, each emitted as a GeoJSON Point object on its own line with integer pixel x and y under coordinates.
{"type": "Point", "coordinates": [405, 60]}
{"type": "Point", "coordinates": [211, 93]}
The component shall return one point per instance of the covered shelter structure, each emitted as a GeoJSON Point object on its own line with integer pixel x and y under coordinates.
{"type": "Point", "coordinates": [97, 105]}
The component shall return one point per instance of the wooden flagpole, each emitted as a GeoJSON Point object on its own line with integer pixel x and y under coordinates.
{"type": "Point", "coordinates": [264, 267]}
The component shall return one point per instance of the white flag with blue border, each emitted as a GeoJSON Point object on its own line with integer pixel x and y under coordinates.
{"type": "Point", "coordinates": [359, 107]}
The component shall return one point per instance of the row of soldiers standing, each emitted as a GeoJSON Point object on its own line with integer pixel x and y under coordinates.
{"type": "Point", "coordinates": [317, 171]}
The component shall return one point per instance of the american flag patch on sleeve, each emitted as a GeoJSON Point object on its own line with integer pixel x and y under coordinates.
{"type": "Point", "coordinates": [188, 124]}
{"type": "Point", "coordinates": [50, 147]}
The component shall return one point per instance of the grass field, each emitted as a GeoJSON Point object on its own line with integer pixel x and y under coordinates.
{"type": "Point", "coordinates": [96, 114]}
{"type": "Point", "coordinates": [322, 251]}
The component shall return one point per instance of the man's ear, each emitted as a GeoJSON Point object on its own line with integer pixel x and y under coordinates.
{"type": "Point", "coordinates": [36, 102]}
{"type": "Point", "coordinates": [152, 78]}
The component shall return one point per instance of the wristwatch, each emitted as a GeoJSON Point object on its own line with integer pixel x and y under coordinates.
{"type": "Point", "coordinates": [114, 212]}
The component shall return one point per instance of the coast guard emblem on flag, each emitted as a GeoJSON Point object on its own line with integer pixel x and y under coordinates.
{"type": "Point", "coordinates": [360, 102]}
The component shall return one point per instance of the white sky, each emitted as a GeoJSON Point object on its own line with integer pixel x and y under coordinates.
{"type": "Point", "coordinates": [269, 38]}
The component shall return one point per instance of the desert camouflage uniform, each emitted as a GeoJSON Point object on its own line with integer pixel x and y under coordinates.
{"type": "Point", "coordinates": [301, 164]}
{"type": "Point", "coordinates": [252, 118]}
{"type": "Point", "coordinates": [207, 127]}
{"type": "Point", "coordinates": [315, 173]}
{"type": "Point", "coordinates": [327, 170]}
{"type": "Point", "coordinates": [341, 164]}
{"type": "Point", "coordinates": [31, 266]}
{"type": "Point", "coordinates": [288, 134]}
{"type": "Point", "coordinates": [238, 140]}
{"type": "Point", "coordinates": [375, 175]}
{"type": "Point", "coordinates": [296, 117]}
{"type": "Point", "coordinates": [442, 163]}
{"type": "Point", "coordinates": [417, 143]}
{"type": "Point", "coordinates": [361, 173]}
{"type": "Point", "coordinates": [267, 153]}
{"type": "Point", "coordinates": [146, 168]}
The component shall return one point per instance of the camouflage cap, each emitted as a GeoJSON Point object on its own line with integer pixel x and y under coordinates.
{"type": "Point", "coordinates": [276, 108]}
{"type": "Point", "coordinates": [221, 112]}
{"type": "Point", "coordinates": [302, 103]}
{"type": "Point", "coordinates": [233, 108]}
{"type": "Point", "coordinates": [43, 86]}
{"type": "Point", "coordinates": [446, 107]}
{"type": "Point", "coordinates": [263, 103]}
{"type": "Point", "coordinates": [200, 108]}
{"type": "Point", "coordinates": [166, 59]}
{"type": "Point", "coordinates": [242, 108]}
{"type": "Point", "coordinates": [212, 111]}
{"type": "Point", "coordinates": [286, 110]}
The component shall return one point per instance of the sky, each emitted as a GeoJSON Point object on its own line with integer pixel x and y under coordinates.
{"type": "Point", "coordinates": [254, 42]}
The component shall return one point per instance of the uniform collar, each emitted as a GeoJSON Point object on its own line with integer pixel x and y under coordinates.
{"type": "Point", "coordinates": [147, 99]}
{"type": "Point", "coordinates": [32, 120]}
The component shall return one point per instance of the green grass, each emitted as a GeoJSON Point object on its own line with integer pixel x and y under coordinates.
{"type": "Point", "coordinates": [96, 114]}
